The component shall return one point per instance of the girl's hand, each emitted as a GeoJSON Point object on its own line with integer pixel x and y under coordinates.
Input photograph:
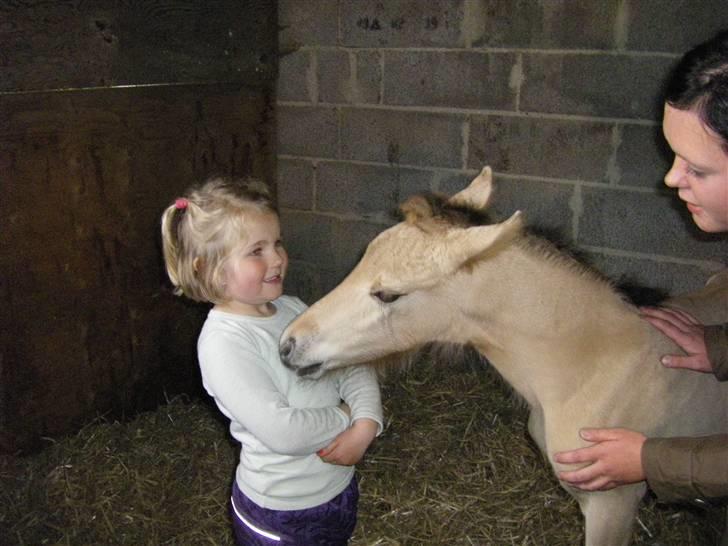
{"type": "Point", "coordinates": [348, 447]}
{"type": "Point", "coordinates": [614, 459]}
{"type": "Point", "coordinates": [685, 330]}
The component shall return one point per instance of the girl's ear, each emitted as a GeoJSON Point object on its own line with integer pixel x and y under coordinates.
{"type": "Point", "coordinates": [197, 264]}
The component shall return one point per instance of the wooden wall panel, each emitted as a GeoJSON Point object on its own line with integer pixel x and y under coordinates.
{"type": "Point", "coordinates": [99, 43]}
{"type": "Point", "coordinates": [89, 325]}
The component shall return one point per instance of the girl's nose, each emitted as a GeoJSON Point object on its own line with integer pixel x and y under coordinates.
{"type": "Point", "coordinates": [279, 256]}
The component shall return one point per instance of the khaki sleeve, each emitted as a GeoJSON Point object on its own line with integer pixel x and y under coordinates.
{"type": "Point", "coordinates": [716, 341]}
{"type": "Point", "coordinates": [687, 469]}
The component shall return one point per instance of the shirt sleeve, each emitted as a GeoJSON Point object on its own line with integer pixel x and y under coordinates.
{"type": "Point", "coordinates": [716, 341]}
{"type": "Point", "coordinates": [359, 388]}
{"type": "Point", "coordinates": [687, 469]}
{"type": "Point", "coordinates": [237, 377]}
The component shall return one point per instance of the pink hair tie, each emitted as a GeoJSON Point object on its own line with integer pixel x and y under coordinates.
{"type": "Point", "coordinates": [181, 203]}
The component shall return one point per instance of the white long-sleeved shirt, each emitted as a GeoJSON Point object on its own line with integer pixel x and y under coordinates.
{"type": "Point", "coordinates": [279, 419]}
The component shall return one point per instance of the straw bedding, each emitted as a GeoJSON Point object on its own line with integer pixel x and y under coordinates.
{"type": "Point", "coordinates": [454, 466]}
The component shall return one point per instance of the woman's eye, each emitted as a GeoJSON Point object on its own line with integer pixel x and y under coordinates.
{"type": "Point", "coordinates": [386, 297]}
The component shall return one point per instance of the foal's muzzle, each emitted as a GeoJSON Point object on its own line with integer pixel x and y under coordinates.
{"type": "Point", "coordinates": [287, 351]}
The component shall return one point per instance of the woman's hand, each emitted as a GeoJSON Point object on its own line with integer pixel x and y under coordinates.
{"type": "Point", "coordinates": [614, 459]}
{"type": "Point", "coordinates": [348, 447]}
{"type": "Point", "coordinates": [685, 330]}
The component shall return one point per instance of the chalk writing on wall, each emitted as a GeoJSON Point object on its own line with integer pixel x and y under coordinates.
{"type": "Point", "coordinates": [398, 23]}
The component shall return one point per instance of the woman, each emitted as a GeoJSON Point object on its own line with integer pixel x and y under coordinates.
{"type": "Point", "coordinates": [695, 125]}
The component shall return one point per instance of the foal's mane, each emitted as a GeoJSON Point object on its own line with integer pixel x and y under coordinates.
{"type": "Point", "coordinates": [436, 207]}
{"type": "Point", "coordinates": [554, 251]}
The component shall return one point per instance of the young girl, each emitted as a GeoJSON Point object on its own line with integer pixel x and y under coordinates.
{"type": "Point", "coordinates": [294, 483]}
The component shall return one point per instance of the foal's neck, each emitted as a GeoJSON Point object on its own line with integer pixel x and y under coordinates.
{"type": "Point", "coordinates": [536, 311]}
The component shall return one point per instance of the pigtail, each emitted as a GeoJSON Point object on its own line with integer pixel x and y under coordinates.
{"type": "Point", "coordinates": [171, 219]}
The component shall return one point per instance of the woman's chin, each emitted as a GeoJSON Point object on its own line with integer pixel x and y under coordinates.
{"type": "Point", "coordinates": [708, 224]}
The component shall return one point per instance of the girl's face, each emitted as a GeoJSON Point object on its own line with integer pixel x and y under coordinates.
{"type": "Point", "coordinates": [255, 269]}
{"type": "Point", "coordinates": [700, 169]}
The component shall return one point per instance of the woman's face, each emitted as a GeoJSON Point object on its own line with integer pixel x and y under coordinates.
{"type": "Point", "coordinates": [700, 169]}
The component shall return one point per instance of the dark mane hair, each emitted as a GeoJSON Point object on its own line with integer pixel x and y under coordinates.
{"type": "Point", "coordinates": [439, 208]}
{"type": "Point", "coordinates": [548, 244]}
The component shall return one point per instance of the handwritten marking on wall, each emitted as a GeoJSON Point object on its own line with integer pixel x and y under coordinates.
{"type": "Point", "coordinates": [398, 23]}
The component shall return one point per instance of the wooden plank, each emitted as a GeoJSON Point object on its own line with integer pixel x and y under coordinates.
{"type": "Point", "coordinates": [89, 324]}
{"type": "Point", "coordinates": [75, 44]}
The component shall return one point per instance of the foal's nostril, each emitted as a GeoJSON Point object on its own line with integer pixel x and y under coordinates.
{"type": "Point", "coordinates": [286, 349]}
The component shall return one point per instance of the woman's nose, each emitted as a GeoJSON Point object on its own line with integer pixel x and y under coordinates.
{"type": "Point", "coordinates": [674, 176]}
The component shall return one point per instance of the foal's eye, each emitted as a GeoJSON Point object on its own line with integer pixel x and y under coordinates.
{"type": "Point", "coordinates": [386, 297]}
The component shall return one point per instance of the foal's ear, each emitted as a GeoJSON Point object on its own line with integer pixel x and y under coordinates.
{"type": "Point", "coordinates": [478, 193]}
{"type": "Point", "coordinates": [472, 243]}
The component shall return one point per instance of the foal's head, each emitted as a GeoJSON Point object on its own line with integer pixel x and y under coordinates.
{"type": "Point", "coordinates": [397, 298]}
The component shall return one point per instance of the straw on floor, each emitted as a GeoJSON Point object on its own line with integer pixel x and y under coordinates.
{"type": "Point", "coordinates": [454, 466]}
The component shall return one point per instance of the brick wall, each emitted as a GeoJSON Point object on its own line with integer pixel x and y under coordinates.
{"type": "Point", "coordinates": [381, 99]}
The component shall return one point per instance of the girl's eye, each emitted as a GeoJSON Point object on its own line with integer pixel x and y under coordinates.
{"type": "Point", "coordinates": [386, 297]}
{"type": "Point", "coordinates": [695, 173]}
{"type": "Point", "coordinates": [257, 252]}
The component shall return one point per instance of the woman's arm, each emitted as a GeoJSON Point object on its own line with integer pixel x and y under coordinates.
{"type": "Point", "coordinates": [716, 340]}
{"type": "Point", "coordinates": [685, 469]}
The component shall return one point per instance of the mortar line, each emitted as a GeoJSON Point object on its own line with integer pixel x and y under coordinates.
{"type": "Point", "coordinates": [661, 258]}
{"type": "Point", "coordinates": [491, 50]}
{"type": "Point", "coordinates": [473, 172]}
{"type": "Point", "coordinates": [473, 111]}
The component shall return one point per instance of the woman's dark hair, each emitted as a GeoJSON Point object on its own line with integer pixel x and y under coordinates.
{"type": "Point", "coordinates": [699, 82]}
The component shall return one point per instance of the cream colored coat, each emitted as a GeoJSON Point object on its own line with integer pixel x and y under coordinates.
{"type": "Point", "coordinates": [577, 352]}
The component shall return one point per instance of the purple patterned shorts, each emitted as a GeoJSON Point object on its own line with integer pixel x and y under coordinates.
{"type": "Point", "coordinates": [328, 524]}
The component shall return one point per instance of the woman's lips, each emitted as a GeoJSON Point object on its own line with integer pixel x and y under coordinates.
{"type": "Point", "coordinates": [694, 209]}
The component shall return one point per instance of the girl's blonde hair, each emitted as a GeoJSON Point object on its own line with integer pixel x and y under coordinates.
{"type": "Point", "coordinates": [200, 230]}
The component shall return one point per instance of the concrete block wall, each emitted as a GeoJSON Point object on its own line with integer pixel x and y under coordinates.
{"type": "Point", "coordinates": [377, 100]}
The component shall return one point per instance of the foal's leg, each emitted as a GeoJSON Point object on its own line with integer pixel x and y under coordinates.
{"type": "Point", "coordinates": [536, 428]}
{"type": "Point", "coordinates": [609, 515]}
